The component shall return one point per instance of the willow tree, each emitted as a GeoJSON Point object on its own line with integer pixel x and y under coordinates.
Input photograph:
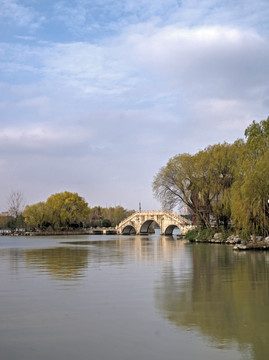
{"type": "Point", "coordinates": [61, 210]}
{"type": "Point", "coordinates": [66, 209]}
{"type": "Point", "coordinates": [201, 181]}
{"type": "Point", "coordinates": [250, 195]}
{"type": "Point", "coordinates": [223, 162]}
{"type": "Point", "coordinates": [250, 192]}
{"type": "Point", "coordinates": [257, 138]}
{"type": "Point", "coordinates": [36, 215]}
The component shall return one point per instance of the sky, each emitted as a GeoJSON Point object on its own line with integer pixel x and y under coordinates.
{"type": "Point", "coordinates": [97, 95]}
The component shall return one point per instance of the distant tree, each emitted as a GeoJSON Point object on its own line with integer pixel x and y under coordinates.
{"type": "Point", "coordinates": [36, 215]}
{"type": "Point", "coordinates": [66, 208]}
{"type": "Point", "coordinates": [3, 221]}
{"type": "Point", "coordinates": [61, 211]}
{"type": "Point", "coordinates": [114, 214]}
{"type": "Point", "coordinates": [106, 223]}
{"type": "Point", "coordinates": [15, 203]}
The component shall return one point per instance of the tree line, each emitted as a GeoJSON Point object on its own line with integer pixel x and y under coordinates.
{"type": "Point", "coordinates": [224, 185]}
{"type": "Point", "coordinates": [61, 211]}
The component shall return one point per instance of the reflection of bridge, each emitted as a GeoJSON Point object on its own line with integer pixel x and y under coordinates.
{"type": "Point", "coordinates": [139, 223]}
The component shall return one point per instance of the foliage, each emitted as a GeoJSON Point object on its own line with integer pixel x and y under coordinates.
{"type": "Point", "coordinates": [68, 210]}
{"type": "Point", "coordinates": [205, 234]}
{"type": "Point", "coordinates": [201, 181]}
{"type": "Point", "coordinates": [102, 216]}
{"type": "Point", "coordinates": [61, 211]}
{"type": "Point", "coordinates": [192, 234]}
{"type": "Point", "coordinates": [250, 194]}
{"type": "Point", "coordinates": [36, 215]}
{"type": "Point", "coordinates": [3, 222]}
{"type": "Point", "coordinates": [257, 138]}
{"type": "Point", "coordinates": [223, 184]}
{"type": "Point", "coordinates": [202, 234]}
{"type": "Point", "coordinates": [14, 223]}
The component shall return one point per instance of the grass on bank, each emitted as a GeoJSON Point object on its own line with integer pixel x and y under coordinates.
{"type": "Point", "coordinates": [206, 234]}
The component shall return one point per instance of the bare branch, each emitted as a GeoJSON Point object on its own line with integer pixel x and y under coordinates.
{"type": "Point", "coordinates": [16, 203]}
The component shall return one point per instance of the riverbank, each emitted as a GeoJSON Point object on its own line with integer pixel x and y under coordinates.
{"type": "Point", "coordinates": [260, 243]}
{"type": "Point", "coordinates": [196, 237]}
{"type": "Point", "coordinates": [91, 231]}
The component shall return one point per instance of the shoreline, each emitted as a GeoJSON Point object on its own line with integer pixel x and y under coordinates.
{"type": "Point", "coordinates": [236, 242]}
{"type": "Point", "coordinates": [92, 231]}
{"type": "Point", "coordinates": [232, 240]}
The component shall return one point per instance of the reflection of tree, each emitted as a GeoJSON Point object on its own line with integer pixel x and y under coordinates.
{"type": "Point", "coordinates": [105, 251]}
{"type": "Point", "coordinates": [226, 297]}
{"type": "Point", "coordinates": [68, 262]}
{"type": "Point", "coordinates": [61, 262]}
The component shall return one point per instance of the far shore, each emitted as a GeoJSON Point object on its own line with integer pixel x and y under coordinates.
{"type": "Point", "coordinates": [240, 245]}
{"type": "Point", "coordinates": [91, 231]}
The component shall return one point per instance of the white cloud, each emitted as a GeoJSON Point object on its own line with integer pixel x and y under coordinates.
{"type": "Point", "coordinates": [44, 138]}
{"type": "Point", "coordinates": [13, 11]}
{"type": "Point", "coordinates": [213, 60]}
{"type": "Point", "coordinates": [172, 73]}
{"type": "Point", "coordinates": [41, 103]}
{"type": "Point", "coordinates": [118, 106]}
{"type": "Point", "coordinates": [201, 53]}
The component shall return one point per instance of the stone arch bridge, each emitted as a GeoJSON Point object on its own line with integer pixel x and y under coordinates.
{"type": "Point", "coordinates": [139, 223]}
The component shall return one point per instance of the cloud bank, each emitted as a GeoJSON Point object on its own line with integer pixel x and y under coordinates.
{"type": "Point", "coordinates": [100, 106]}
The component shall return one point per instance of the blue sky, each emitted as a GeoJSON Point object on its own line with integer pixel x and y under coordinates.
{"type": "Point", "coordinates": [96, 96]}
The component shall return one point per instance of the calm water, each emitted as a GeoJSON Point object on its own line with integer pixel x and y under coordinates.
{"type": "Point", "coordinates": [131, 297]}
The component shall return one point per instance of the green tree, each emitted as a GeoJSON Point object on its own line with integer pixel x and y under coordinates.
{"type": "Point", "coordinates": [106, 223]}
{"type": "Point", "coordinates": [36, 215]}
{"type": "Point", "coordinates": [221, 174]}
{"type": "Point", "coordinates": [114, 214]}
{"type": "Point", "coordinates": [250, 192]}
{"type": "Point", "coordinates": [3, 221]}
{"type": "Point", "coordinates": [250, 195]}
{"type": "Point", "coordinates": [257, 138]}
{"type": "Point", "coordinates": [222, 184]}
{"type": "Point", "coordinates": [66, 209]}
{"type": "Point", "coordinates": [201, 181]}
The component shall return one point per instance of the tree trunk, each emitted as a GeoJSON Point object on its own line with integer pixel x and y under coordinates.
{"type": "Point", "coordinates": [253, 232]}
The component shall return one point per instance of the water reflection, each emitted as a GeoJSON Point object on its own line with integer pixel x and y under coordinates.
{"type": "Point", "coordinates": [61, 262]}
{"type": "Point", "coordinates": [120, 282]}
{"type": "Point", "coordinates": [131, 248]}
{"type": "Point", "coordinates": [225, 297]}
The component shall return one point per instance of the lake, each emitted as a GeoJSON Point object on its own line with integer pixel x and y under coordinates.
{"type": "Point", "coordinates": [131, 297]}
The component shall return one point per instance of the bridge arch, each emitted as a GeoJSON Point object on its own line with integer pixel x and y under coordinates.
{"type": "Point", "coordinates": [128, 230]}
{"type": "Point", "coordinates": [144, 229]}
{"type": "Point", "coordinates": [139, 222]}
{"type": "Point", "coordinates": [169, 230]}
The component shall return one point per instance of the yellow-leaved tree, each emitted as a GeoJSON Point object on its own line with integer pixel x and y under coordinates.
{"type": "Point", "coordinates": [60, 211]}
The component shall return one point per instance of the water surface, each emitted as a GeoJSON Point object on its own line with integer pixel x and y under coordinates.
{"type": "Point", "coordinates": [131, 297]}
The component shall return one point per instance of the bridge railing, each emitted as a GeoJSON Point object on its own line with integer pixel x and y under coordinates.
{"type": "Point", "coordinates": [171, 214]}
{"type": "Point", "coordinates": [180, 218]}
